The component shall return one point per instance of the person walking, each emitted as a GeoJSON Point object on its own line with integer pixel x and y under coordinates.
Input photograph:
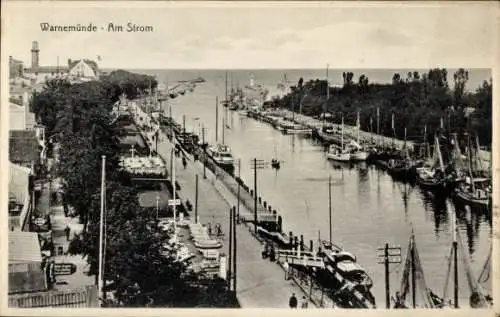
{"type": "Point", "coordinates": [184, 162]}
{"type": "Point", "coordinates": [293, 301]}
{"type": "Point", "coordinates": [67, 231]}
{"type": "Point", "coordinates": [286, 267]}
{"type": "Point", "coordinates": [304, 302]}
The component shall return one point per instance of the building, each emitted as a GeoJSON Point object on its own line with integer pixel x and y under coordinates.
{"type": "Point", "coordinates": [26, 273]}
{"type": "Point", "coordinates": [83, 69]}
{"type": "Point", "coordinates": [16, 68]}
{"type": "Point", "coordinates": [24, 148]}
{"type": "Point", "coordinates": [19, 197]}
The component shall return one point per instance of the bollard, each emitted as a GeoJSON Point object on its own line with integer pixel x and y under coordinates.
{"type": "Point", "coordinates": [265, 204]}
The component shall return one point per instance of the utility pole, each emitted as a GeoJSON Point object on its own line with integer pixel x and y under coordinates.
{"type": "Point", "coordinates": [234, 252]}
{"type": "Point", "coordinates": [239, 176]}
{"type": "Point", "coordinates": [196, 201]}
{"type": "Point", "coordinates": [391, 255]}
{"type": "Point", "coordinates": [256, 164]}
{"type": "Point", "coordinates": [101, 232]}
{"type": "Point", "coordinates": [203, 146]}
{"type": "Point", "coordinates": [230, 258]}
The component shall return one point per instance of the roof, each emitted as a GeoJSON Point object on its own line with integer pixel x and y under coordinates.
{"type": "Point", "coordinates": [85, 297]}
{"type": "Point", "coordinates": [89, 62]}
{"type": "Point", "coordinates": [24, 247]}
{"type": "Point", "coordinates": [47, 69]}
{"type": "Point", "coordinates": [23, 146]}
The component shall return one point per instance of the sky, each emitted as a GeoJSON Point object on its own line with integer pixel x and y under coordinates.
{"type": "Point", "coordinates": [260, 35]}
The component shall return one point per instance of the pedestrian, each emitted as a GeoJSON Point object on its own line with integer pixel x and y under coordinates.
{"type": "Point", "coordinates": [184, 162]}
{"type": "Point", "coordinates": [304, 302]}
{"type": "Point", "coordinates": [67, 230]}
{"type": "Point", "coordinates": [286, 267]}
{"type": "Point", "coordinates": [293, 301]}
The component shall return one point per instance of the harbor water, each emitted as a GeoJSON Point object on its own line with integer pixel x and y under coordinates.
{"type": "Point", "coordinates": [368, 207]}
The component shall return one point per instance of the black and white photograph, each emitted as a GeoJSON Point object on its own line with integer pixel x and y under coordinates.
{"type": "Point", "coordinates": [301, 155]}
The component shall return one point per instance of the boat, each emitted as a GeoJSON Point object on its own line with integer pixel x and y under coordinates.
{"type": "Point", "coordinates": [208, 244]}
{"type": "Point", "coordinates": [275, 163]}
{"type": "Point", "coordinates": [336, 154]}
{"type": "Point", "coordinates": [221, 154]}
{"type": "Point", "coordinates": [358, 153]}
{"type": "Point", "coordinates": [433, 177]}
{"type": "Point", "coordinates": [474, 191]}
{"type": "Point", "coordinates": [339, 154]}
{"type": "Point", "coordinates": [402, 168]}
{"type": "Point", "coordinates": [412, 271]}
{"type": "Point", "coordinates": [328, 135]}
{"type": "Point", "coordinates": [290, 127]}
{"type": "Point", "coordinates": [347, 271]}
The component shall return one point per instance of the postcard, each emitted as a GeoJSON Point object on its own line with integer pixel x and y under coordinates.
{"type": "Point", "coordinates": [307, 156]}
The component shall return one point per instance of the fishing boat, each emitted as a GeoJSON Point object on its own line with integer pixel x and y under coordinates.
{"type": "Point", "coordinates": [328, 135]}
{"type": "Point", "coordinates": [339, 154]}
{"type": "Point", "coordinates": [474, 191]}
{"type": "Point", "coordinates": [433, 177]}
{"type": "Point", "coordinates": [412, 271]}
{"type": "Point", "coordinates": [358, 153]}
{"type": "Point", "coordinates": [290, 127]}
{"type": "Point", "coordinates": [221, 154]}
{"type": "Point", "coordinates": [275, 163]}
{"type": "Point", "coordinates": [403, 168]}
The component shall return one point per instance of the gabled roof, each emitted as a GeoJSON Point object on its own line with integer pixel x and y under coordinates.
{"type": "Point", "coordinates": [89, 62]}
{"type": "Point", "coordinates": [24, 247]}
{"type": "Point", "coordinates": [23, 146]}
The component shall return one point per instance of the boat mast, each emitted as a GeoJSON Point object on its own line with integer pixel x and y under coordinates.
{"type": "Point", "coordinates": [216, 119]}
{"type": "Point", "coordinates": [330, 206]}
{"type": "Point", "coordinates": [470, 163]}
{"type": "Point", "coordinates": [327, 95]}
{"type": "Point", "coordinates": [413, 275]}
{"type": "Point", "coordinates": [358, 127]}
{"type": "Point", "coordinates": [455, 259]}
{"type": "Point", "coordinates": [342, 135]}
{"type": "Point", "coordinates": [378, 125]}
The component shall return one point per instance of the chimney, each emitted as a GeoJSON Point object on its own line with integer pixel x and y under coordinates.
{"type": "Point", "coordinates": [34, 55]}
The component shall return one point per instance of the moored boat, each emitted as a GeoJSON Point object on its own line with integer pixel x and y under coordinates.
{"type": "Point", "coordinates": [221, 154]}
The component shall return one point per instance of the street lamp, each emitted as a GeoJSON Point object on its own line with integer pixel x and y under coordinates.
{"type": "Point", "coordinates": [157, 205]}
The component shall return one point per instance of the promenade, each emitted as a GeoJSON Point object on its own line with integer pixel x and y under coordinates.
{"type": "Point", "coordinates": [260, 283]}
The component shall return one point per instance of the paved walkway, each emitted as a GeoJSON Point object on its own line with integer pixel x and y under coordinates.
{"type": "Point", "coordinates": [260, 283]}
{"type": "Point", "coordinates": [59, 222]}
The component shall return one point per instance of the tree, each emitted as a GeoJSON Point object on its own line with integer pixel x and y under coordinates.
{"type": "Point", "coordinates": [460, 78]}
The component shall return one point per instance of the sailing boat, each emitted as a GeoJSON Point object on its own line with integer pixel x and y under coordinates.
{"type": "Point", "coordinates": [358, 153]}
{"type": "Point", "coordinates": [402, 168]}
{"type": "Point", "coordinates": [434, 178]}
{"type": "Point", "coordinates": [474, 191]}
{"type": "Point", "coordinates": [275, 163]}
{"type": "Point", "coordinates": [478, 297]}
{"type": "Point", "coordinates": [336, 154]}
{"type": "Point", "coordinates": [413, 275]}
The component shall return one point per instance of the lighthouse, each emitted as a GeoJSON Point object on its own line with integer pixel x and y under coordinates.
{"type": "Point", "coordinates": [34, 55]}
